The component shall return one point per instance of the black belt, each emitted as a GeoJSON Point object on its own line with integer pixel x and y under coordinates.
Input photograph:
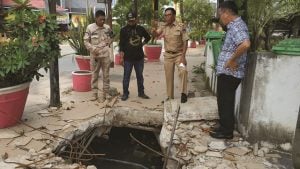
{"type": "Point", "coordinates": [171, 52]}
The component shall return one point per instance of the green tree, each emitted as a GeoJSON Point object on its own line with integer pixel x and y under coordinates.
{"type": "Point", "coordinates": [197, 15]}
{"type": "Point", "coordinates": [145, 10]}
{"type": "Point", "coordinates": [261, 17]}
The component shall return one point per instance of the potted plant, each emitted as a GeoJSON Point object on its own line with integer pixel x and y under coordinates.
{"type": "Point", "coordinates": [153, 48]}
{"type": "Point", "coordinates": [193, 36]}
{"type": "Point", "coordinates": [32, 44]}
{"type": "Point", "coordinates": [116, 29]}
{"type": "Point", "coordinates": [76, 41]}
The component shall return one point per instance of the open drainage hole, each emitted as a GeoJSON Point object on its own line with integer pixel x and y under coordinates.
{"type": "Point", "coordinates": [120, 149]}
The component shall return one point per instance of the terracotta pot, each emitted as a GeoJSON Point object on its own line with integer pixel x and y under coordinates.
{"type": "Point", "coordinates": [202, 42]}
{"type": "Point", "coordinates": [193, 44]}
{"type": "Point", "coordinates": [82, 80]}
{"type": "Point", "coordinates": [83, 62]}
{"type": "Point", "coordinates": [153, 52]}
{"type": "Point", "coordinates": [12, 103]}
{"type": "Point", "coordinates": [117, 59]}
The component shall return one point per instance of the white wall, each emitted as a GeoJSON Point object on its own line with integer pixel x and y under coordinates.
{"type": "Point", "coordinates": [209, 71]}
{"type": "Point", "coordinates": [275, 98]}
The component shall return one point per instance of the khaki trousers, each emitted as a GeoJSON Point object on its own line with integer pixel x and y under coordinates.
{"type": "Point", "coordinates": [170, 60]}
{"type": "Point", "coordinates": [96, 65]}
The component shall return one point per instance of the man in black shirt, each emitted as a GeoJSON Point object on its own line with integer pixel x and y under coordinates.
{"type": "Point", "coordinates": [132, 54]}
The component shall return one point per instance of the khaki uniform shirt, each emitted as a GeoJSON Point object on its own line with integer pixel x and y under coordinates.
{"type": "Point", "coordinates": [174, 36]}
{"type": "Point", "coordinates": [98, 40]}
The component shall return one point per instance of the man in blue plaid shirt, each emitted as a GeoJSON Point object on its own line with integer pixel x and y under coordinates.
{"type": "Point", "coordinates": [230, 67]}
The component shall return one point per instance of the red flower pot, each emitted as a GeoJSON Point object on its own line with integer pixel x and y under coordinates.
{"type": "Point", "coordinates": [202, 42]}
{"type": "Point", "coordinates": [82, 80]}
{"type": "Point", "coordinates": [12, 103]}
{"type": "Point", "coordinates": [153, 52]}
{"type": "Point", "coordinates": [83, 62]}
{"type": "Point", "coordinates": [193, 44]}
{"type": "Point", "coordinates": [117, 59]}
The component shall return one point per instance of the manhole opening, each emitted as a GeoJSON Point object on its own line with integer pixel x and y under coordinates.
{"type": "Point", "coordinates": [120, 147]}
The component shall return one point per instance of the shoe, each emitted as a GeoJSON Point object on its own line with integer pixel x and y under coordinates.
{"type": "Point", "coordinates": [215, 129]}
{"type": "Point", "coordinates": [144, 96]}
{"type": "Point", "coordinates": [221, 135]}
{"type": "Point", "coordinates": [124, 97]}
{"type": "Point", "coordinates": [183, 98]}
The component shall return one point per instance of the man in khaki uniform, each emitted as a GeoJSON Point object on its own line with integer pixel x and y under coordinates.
{"type": "Point", "coordinates": [97, 39]}
{"type": "Point", "coordinates": [175, 41]}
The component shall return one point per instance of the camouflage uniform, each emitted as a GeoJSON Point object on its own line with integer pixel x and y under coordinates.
{"type": "Point", "coordinates": [174, 36]}
{"type": "Point", "coordinates": [98, 40]}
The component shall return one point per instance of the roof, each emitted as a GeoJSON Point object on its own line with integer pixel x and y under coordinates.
{"type": "Point", "coordinates": [39, 4]}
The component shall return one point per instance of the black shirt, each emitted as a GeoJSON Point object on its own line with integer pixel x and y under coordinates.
{"type": "Point", "coordinates": [131, 42]}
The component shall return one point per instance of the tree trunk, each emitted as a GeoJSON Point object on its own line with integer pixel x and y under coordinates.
{"type": "Point", "coordinates": [1, 16]}
{"type": "Point", "coordinates": [134, 6]}
{"type": "Point", "coordinates": [267, 38]}
{"type": "Point", "coordinates": [54, 75]}
{"type": "Point", "coordinates": [109, 13]}
{"type": "Point", "coordinates": [254, 40]}
{"type": "Point", "coordinates": [109, 22]}
{"type": "Point", "coordinates": [155, 9]}
{"type": "Point", "coordinates": [244, 7]}
{"type": "Point", "coordinates": [181, 11]}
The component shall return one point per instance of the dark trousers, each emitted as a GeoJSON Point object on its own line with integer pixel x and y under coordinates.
{"type": "Point", "coordinates": [226, 88]}
{"type": "Point", "coordinates": [139, 68]}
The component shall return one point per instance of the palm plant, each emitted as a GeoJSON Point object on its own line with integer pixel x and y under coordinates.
{"type": "Point", "coordinates": [262, 14]}
{"type": "Point", "coordinates": [76, 34]}
{"type": "Point", "coordinates": [76, 40]}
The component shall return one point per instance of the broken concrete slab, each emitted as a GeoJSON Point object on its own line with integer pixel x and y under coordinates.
{"type": "Point", "coordinates": [200, 167]}
{"type": "Point", "coordinates": [273, 155]}
{"type": "Point", "coordinates": [217, 145]}
{"type": "Point", "coordinates": [199, 108]}
{"type": "Point", "coordinates": [80, 112]}
{"type": "Point", "coordinates": [250, 165]}
{"type": "Point", "coordinates": [8, 133]}
{"type": "Point", "coordinates": [211, 164]}
{"type": "Point", "coordinates": [35, 145]}
{"type": "Point", "coordinates": [21, 141]}
{"type": "Point", "coordinates": [54, 127]}
{"type": "Point", "coordinates": [229, 157]}
{"type": "Point", "coordinates": [286, 147]}
{"type": "Point", "coordinates": [200, 148]}
{"type": "Point", "coordinates": [126, 115]}
{"type": "Point", "coordinates": [213, 154]}
{"type": "Point", "coordinates": [37, 135]}
{"type": "Point", "coordinates": [237, 150]}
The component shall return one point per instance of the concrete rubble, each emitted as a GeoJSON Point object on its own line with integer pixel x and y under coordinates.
{"type": "Point", "coordinates": [193, 148]}
{"type": "Point", "coordinates": [47, 130]}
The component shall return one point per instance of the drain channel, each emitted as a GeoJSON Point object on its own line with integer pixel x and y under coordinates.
{"type": "Point", "coordinates": [114, 149]}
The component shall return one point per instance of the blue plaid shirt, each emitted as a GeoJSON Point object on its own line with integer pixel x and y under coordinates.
{"type": "Point", "coordinates": [237, 32]}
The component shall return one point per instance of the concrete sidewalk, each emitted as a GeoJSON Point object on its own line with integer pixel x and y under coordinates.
{"type": "Point", "coordinates": [45, 127]}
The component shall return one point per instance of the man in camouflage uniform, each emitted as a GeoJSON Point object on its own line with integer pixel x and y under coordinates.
{"type": "Point", "coordinates": [175, 41]}
{"type": "Point", "coordinates": [98, 39]}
